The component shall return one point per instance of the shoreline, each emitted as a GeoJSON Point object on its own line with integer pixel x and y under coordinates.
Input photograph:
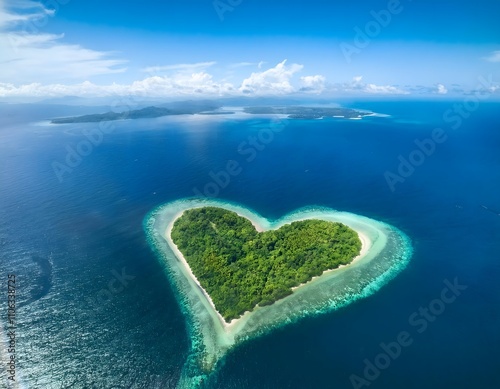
{"type": "Point", "coordinates": [366, 243]}
{"type": "Point", "coordinates": [186, 266]}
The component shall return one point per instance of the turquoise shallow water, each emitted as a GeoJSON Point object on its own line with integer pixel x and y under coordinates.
{"type": "Point", "coordinates": [67, 241]}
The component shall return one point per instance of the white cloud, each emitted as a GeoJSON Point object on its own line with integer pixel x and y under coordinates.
{"type": "Point", "coordinates": [25, 13]}
{"type": "Point", "coordinates": [493, 57]}
{"type": "Point", "coordinates": [358, 86]}
{"type": "Point", "coordinates": [441, 89]}
{"type": "Point", "coordinates": [29, 56]}
{"type": "Point", "coordinates": [242, 65]}
{"type": "Point", "coordinates": [246, 64]}
{"type": "Point", "coordinates": [272, 81]}
{"type": "Point", "coordinates": [44, 54]}
{"type": "Point", "coordinates": [384, 89]}
{"type": "Point", "coordinates": [313, 84]}
{"type": "Point", "coordinates": [203, 84]}
{"type": "Point", "coordinates": [196, 84]}
{"type": "Point", "coordinates": [180, 68]}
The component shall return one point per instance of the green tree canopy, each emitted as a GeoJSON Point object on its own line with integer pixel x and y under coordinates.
{"type": "Point", "coordinates": [240, 267]}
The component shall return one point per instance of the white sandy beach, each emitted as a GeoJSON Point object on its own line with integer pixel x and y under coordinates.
{"type": "Point", "coordinates": [365, 246]}
{"type": "Point", "coordinates": [179, 255]}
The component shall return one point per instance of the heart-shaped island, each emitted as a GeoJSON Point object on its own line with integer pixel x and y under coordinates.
{"type": "Point", "coordinates": [238, 275]}
{"type": "Point", "coordinates": [240, 267]}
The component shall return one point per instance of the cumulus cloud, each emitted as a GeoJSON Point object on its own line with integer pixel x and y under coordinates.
{"type": "Point", "coordinates": [313, 84]}
{"type": "Point", "coordinates": [274, 81]}
{"type": "Point", "coordinates": [441, 89]}
{"type": "Point", "coordinates": [29, 55]}
{"type": "Point", "coordinates": [201, 84]}
{"type": "Point", "coordinates": [493, 57]}
{"type": "Point", "coordinates": [384, 89]}
{"type": "Point", "coordinates": [170, 80]}
{"type": "Point", "coordinates": [358, 86]}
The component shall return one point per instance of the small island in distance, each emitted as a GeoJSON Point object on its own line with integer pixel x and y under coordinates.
{"type": "Point", "coordinates": [214, 108]}
{"type": "Point", "coordinates": [189, 108]}
{"type": "Point", "coordinates": [298, 112]}
{"type": "Point", "coordinates": [240, 267]}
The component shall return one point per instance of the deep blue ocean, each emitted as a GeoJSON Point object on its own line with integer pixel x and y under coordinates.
{"type": "Point", "coordinates": [95, 309]}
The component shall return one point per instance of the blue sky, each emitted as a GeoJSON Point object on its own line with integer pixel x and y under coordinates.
{"type": "Point", "coordinates": [248, 47]}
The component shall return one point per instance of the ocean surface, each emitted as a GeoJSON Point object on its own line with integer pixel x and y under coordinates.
{"type": "Point", "coordinates": [95, 309]}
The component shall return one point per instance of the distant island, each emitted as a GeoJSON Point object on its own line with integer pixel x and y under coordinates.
{"type": "Point", "coordinates": [240, 267]}
{"type": "Point", "coordinates": [212, 108]}
{"type": "Point", "coordinates": [188, 108]}
{"type": "Point", "coordinates": [298, 112]}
